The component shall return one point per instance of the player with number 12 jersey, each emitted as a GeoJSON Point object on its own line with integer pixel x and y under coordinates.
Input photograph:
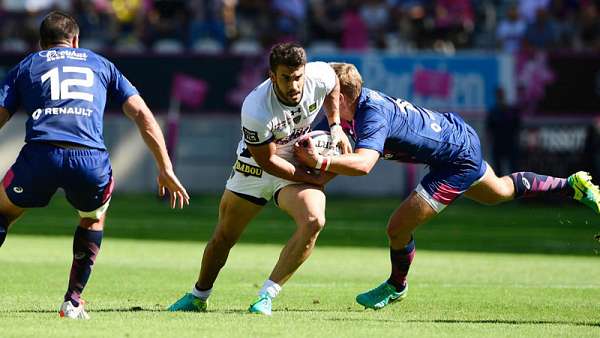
{"type": "Point", "coordinates": [64, 92]}
{"type": "Point", "coordinates": [63, 89]}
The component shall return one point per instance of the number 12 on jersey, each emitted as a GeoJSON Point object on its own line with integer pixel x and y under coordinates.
{"type": "Point", "coordinates": [60, 90]}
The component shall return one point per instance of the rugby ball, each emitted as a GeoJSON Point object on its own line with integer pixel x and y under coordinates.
{"type": "Point", "coordinates": [321, 139]}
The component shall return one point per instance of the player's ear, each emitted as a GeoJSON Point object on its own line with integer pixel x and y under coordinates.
{"type": "Point", "coordinates": [75, 41]}
{"type": "Point", "coordinates": [272, 76]}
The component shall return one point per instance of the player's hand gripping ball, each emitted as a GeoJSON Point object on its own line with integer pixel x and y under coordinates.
{"type": "Point", "coordinates": [318, 150]}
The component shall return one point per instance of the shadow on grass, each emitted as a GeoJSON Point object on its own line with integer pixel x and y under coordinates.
{"type": "Point", "coordinates": [515, 227]}
{"type": "Point", "coordinates": [477, 321]}
{"type": "Point", "coordinates": [129, 309]}
{"type": "Point", "coordinates": [354, 319]}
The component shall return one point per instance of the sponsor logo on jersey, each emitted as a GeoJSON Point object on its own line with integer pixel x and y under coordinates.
{"type": "Point", "coordinates": [61, 111]}
{"type": "Point", "coordinates": [53, 55]}
{"type": "Point", "coordinates": [18, 190]}
{"type": "Point", "coordinates": [247, 169]}
{"type": "Point", "coordinates": [312, 107]}
{"type": "Point", "coordinates": [296, 115]}
{"type": "Point", "coordinates": [250, 135]}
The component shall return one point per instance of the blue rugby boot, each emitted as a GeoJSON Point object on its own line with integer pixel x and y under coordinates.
{"type": "Point", "coordinates": [261, 306]}
{"type": "Point", "coordinates": [189, 303]}
{"type": "Point", "coordinates": [381, 296]}
{"type": "Point", "coordinates": [585, 191]}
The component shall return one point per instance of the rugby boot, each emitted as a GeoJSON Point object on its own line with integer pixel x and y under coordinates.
{"type": "Point", "coordinates": [189, 303]}
{"type": "Point", "coordinates": [68, 310]}
{"type": "Point", "coordinates": [585, 191]}
{"type": "Point", "coordinates": [262, 305]}
{"type": "Point", "coordinates": [381, 296]}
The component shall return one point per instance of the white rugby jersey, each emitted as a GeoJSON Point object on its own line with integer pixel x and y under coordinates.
{"type": "Point", "coordinates": [265, 119]}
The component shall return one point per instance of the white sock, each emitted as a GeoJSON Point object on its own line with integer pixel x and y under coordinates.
{"type": "Point", "coordinates": [270, 288]}
{"type": "Point", "coordinates": [201, 294]}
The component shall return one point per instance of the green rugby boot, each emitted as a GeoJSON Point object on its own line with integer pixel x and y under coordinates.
{"type": "Point", "coordinates": [585, 191]}
{"type": "Point", "coordinates": [189, 303]}
{"type": "Point", "coordinates": [381, 296]}
{"type": "Point", "coordinates": [261, 306]}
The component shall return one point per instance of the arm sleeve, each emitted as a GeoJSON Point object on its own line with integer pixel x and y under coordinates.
{"type": "Point", "coordinates": [323, 72]}
{"type": "Point", "coordinates": [255, 131]}
{"type": "Point", "coordinates": [371, 130]}
{"type": "Point", "coordinates": [9, 95]}
{"type": "Point", "coordinates": [118, 86]}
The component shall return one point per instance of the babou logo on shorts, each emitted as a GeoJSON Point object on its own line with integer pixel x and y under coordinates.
{"type": "Point", "coordinates": [247, 169]}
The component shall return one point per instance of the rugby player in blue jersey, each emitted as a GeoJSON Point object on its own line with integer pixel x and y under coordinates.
{"type": "Point", "coordinates": [63, 89]}
{"type": "Point", "coordinates": [395, 129]}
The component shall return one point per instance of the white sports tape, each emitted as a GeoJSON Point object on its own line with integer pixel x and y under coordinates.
{"type": "Point", "coordinates": [95, 214]}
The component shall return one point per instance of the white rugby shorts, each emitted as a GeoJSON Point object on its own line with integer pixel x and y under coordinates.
{"type": "Point", "coordinates": [248, 179]}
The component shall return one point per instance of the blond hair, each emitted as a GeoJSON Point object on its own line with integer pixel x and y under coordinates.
{"type": "Point", "coordinates": [350, 80]}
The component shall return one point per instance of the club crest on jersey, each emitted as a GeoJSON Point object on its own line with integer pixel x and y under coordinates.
{"type": "Point", "coordinates": [247, 169]}
{"type": "Point", "coordinates": [312, 107]}
{"type": "Point", "coordinates": [250, 135]}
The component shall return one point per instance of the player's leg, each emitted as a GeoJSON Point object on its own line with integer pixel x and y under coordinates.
{"type": "Point", "coordinates": [29, 183]}
{"type": "Point", "coordinates": [492, 189]}
{"type": "Point", "coordinates": [414, 211]}
{"type": "Point", "coordinates": [88, 186]}
{"type": "Point", "coordinates": [9, 212]}
{"type": "Point", "coordinates": [306, 205]}
{"type": "Point", "coordinates": [234, 215]}
{"type": "Point", "coordinates": [235, 212]}
{"type": "Point", "coordinates": [86, 246]}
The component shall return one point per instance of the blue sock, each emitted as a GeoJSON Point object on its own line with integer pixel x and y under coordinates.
{"type": "Point", "coordinates": [401, 260]}
{"type": "Point", "coordinates": [3, 229]}
{"type": "Point", "coordinates": [86, 245]}
{"type": "Point", "coordinates": [528, 184]}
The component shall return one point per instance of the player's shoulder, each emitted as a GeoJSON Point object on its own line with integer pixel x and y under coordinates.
{"type": "Point", "coordinates": [257, 101]}
{"type": "Point", "coordinates": [94, 57]}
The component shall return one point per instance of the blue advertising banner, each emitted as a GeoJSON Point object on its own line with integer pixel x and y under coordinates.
{"type": "Point", "coordinates": [462, 83]}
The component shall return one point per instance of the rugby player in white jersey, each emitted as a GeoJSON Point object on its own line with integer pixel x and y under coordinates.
{"type": "Point", "coordinates": [274, 115]}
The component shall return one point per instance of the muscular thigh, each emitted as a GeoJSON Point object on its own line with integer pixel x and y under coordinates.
{"type": "Point", "coordinates": [302, 202]}
{"type": "Point", "coordinates": [235, 213]}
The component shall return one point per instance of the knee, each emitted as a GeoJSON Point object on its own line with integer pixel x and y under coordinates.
{"type": "Point", "coordinates": [223, 239]}
{"type": "Point", "coordinates": [313, 225]}
{"type": "Point", "coordinates": [398, 231]}
{"type": "Point", "coordinates": [92, 223]}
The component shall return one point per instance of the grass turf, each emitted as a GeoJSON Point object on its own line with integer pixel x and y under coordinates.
{"type": "Point", "coordinates": [514, 270]}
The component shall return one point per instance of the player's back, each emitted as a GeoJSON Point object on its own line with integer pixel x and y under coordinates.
{"type": "Point", "coordinates": [64, 91]}
{"type": "Point", "coordinates": [413, 133]}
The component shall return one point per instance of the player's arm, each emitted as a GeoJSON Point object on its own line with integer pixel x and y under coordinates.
{"type": "Point", "coordinates": [266, 157]}
{"type": "Point", "coordinates": [358, 163]}
{"type": "Point", "coordinates": [4, 116]}
{"type": "Point", "coordinates": [9, 97]}
{"type": "Point", "coordinates": [332, 108]}
{"type": "Point", "coordinates": [136, 109]}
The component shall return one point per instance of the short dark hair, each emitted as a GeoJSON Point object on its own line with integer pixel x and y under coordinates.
{"type": "Point", "coordinates": [289, 54]}
{"type": "Point", "coordinates": [57, 27]}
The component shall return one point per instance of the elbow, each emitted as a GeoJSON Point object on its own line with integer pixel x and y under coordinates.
{"type": "Point", "coordinates": [363, 170]}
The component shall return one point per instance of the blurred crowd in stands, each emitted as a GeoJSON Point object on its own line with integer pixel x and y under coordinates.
{"type": "Point", "coordinates": [214, 26]}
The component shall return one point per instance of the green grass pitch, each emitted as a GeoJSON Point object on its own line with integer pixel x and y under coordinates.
{"type": "Point", "coordinates": [514, 270]}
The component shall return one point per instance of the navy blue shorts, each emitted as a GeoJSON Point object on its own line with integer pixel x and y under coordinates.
{"type": "Point", "coordinates": [84, 174]}
{"type": "Point", "coordinates": [443, 184]}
